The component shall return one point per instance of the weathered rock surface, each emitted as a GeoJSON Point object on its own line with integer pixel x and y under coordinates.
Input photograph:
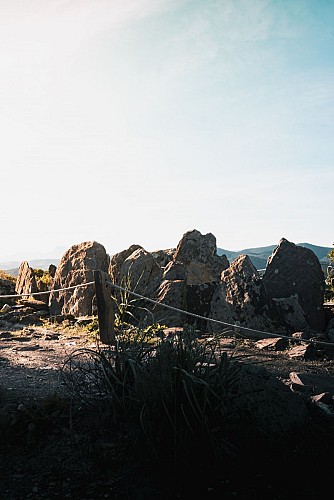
{"type": "Point", "coordinates": [240, 297]}
{"type": "Point", "coordinates": [117, 260]}
{"type": "Point", "coordinates": [75, 268]}
{"type": "Point", "coordinates": [171, 293]}
{"type": "Point", "coordinates": [26, 281]}
{"type": "Point", "coordinates": [163, 257]}
{"type": "Point", "coordinates": [295, 271]}
{"type": "Point", "coordinates": [194, 278]}
{"type": "Point", "coordinates": [288, 312]}
{"type": "Point", "coordinates": [198, 254]}
{"type": "Point", "coordinates": [189, 279]}
{"type": "Point", "coordinates": [141, 272]}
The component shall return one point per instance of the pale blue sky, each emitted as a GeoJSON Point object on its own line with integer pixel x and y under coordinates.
{"type": "Point", "coordinates": [134, 121]}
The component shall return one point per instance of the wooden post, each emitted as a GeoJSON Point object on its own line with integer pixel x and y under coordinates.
{"type": "Point", "coordinates": [105, 311]}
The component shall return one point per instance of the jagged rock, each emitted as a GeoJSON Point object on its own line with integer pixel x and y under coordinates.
{"type": "Point", "coordinates": [317, 383]}
{"type": "Point", "coordinates": [220, 309]}
{"type": "Point", "coordinates": [288, 311]}
{"type": "Point", "coordinates": [52, 270]}
{"type": "Point", "coordinates": [244, 290]}
{"type": "Point", "coordinates": [163, 257]}
{"type": "Point", "coordinates": [26, 281]}
{"type": "Point", "coordinates": [189, 279]}
{"type": "Point", "coordinates": [175, 271]}
{"type": "Point", "coordinates": [141, 273]}
{"type": "Point", "coordinates": [296, 271]}
{"type": "Point", "coordinates": [76, 267]}
{"type": "Point", "coordinates": [117, 260]}
{"type": "Point", "coordinates": [172, 294]}
{"type": "Point", "coordinates": [198, 253]}
{"type": "Point", "coordinates": [275, 343]}
{"type": "Point", "coordinates": [240, 298]}
{"type": "Point", "coordinates": [306, 352]}
{"type": "Point", "coordinates": [198, 299]}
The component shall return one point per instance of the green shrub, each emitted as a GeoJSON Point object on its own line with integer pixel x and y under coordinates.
{"type": "Point", "coordinates": [181, 394]}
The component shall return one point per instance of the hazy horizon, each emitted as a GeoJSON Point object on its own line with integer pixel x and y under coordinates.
{"type": "Point", "coordinates": [59, 251]}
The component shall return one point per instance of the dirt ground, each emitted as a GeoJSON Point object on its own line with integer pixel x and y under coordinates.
{"type": "Point", "coordinates": [51, 450]}
{"type": "Point", "coordinates": [31, 358]}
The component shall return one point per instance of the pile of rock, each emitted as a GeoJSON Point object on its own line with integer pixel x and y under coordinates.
{"type": "Point", "coordinates": [192, 277]}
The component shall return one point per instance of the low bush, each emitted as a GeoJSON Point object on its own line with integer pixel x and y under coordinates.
{"type": "Point", "coordinates": [180, 395]}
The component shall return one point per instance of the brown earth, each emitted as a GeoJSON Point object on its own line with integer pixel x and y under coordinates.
{"type": "Point", "coordinates": [51, 448]}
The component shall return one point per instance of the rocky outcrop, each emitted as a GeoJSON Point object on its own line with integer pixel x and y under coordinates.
{"type": "Point", "coordinates": [26, 281]}
{"type": "Point", "coordinates": [193, 278]}
{"type": "Point", "coordinates": [163, 257]}
{"type": "Point", "coordinates": [295, 272]}
{"type": "Point", "coordinates": [197, 253]}
{"type": "Point", "coordinates": [75, 268]}
{"type": "Point", "coordinates": [171, 293]}
{"type": "Point", "coordinates": [141, 273]}
{"type": "Point", "coordinates": [189, 279]}
{"type": "Point", "coordinates": [117, 260]}
{"type": "Point", "coordinates": [240, 297]}
{"type": "Point", "coordinates": [288, 298]}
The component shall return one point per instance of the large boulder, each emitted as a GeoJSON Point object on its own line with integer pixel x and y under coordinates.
{"type": "Point", "coordinates": [239, 298]}
{"type": "Point", "coordinates": [295, 271]}
{"type": "Point", "coordinates": [141, 273]}
{"type": "Point", "coordinates": [171, 293]}
{"type": "Point", "coordinates": [190, 278]}
{"type": "Point", "coordinates": [198, 254]}
{"type": "Point", "coordinates": [26, 280]}
{"type": "Point", "coordinates": [75, 268]}
{"type": "Point", "coordinates": [116, 262]}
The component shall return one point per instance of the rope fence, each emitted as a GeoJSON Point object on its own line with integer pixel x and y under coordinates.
{"type": "Point", "coordinates": [16, 296]}
{"type": "Point", "coordinates": [212, 320]}
{"type": "Point", "coordinates": [237, 327]}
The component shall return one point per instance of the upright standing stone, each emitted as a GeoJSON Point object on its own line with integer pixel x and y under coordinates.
{"type": "Point", "coordinates": [189, 279]}
{"type": "Point", "coordinates": [26, 281]}
{"type": "Point", "coordinates": [75, 268]}
{"type": "Point", "coordinates": [296, 271]}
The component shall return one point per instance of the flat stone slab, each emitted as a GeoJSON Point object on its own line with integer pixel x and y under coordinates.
{"type": "Point", "coordinates": [319, 383]}
{"type": "Point", "coordinates": [276, 343]}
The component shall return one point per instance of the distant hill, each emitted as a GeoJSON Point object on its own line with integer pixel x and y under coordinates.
{"type": "Point", "coordinates": [259, 255]}
{"type": "Point", "coordinates": [12, 267]}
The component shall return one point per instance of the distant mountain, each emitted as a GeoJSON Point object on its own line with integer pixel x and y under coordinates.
{"type": "Point", "coordinates": [259, 255]}
{"type": "Point", "coordinates": [12, 267]}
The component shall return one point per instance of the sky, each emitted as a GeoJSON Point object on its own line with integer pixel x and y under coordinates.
{"type": "Point", "coordinates": [135, 121]}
